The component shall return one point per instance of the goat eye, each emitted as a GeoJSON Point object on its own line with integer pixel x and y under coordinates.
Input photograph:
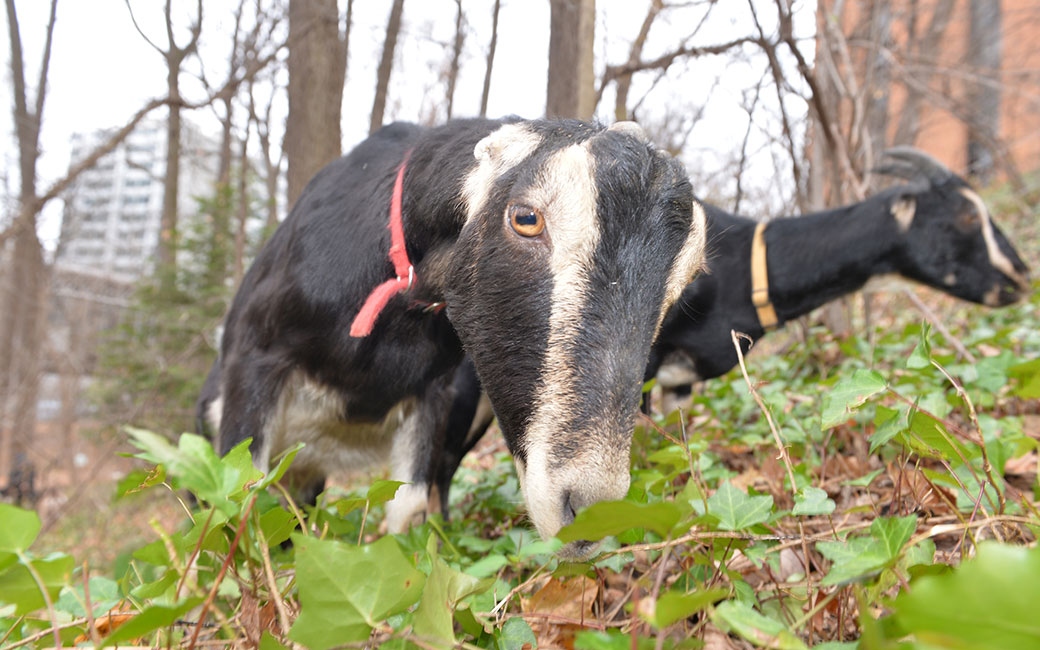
{"type": "Point", "coordinates": [525, 221]}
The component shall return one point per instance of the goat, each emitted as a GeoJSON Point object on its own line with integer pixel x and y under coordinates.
{"type": "Point", "coordinates": [550, 251]}
{"type": "Point", "coordinates": [934, 230]}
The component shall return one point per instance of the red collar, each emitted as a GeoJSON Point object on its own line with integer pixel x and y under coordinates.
{"type": "Point", "coordinates": [403, 269]}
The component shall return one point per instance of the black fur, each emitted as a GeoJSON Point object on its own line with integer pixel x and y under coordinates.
{"type": "Point", "coordinates": [295, 306]}
{"type": "Point", "coordinates": [813, 259]}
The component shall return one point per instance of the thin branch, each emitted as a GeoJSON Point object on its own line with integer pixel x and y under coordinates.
{"type": "Point", "coordinates": [140, 31]}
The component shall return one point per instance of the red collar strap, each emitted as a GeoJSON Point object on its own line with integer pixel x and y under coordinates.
{"type": "Point", "coordinates": [405, 272]}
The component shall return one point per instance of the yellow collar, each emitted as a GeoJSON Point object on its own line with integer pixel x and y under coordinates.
{"type": "Point", "coordinates": [760, 280]}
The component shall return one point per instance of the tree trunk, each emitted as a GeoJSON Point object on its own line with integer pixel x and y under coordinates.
{"type": "Point", "coordinates": [173, 55]}
{"type": "Point", "coordinates": [456, 54]}
{"type": "Point", "coordinates": [490, 59]}
{"type": "Point", "coordinates": [984, 52]}
{"type": "Point", "coordinates": [635, 53]}
{"type": "Point", "coordinates": [20, 338]}
{"type": "Point", "coordinates": [386, 64]}
{"type": "Point", "coordinates": [166, 253]}
{"type": "Point", "coordinates": [571, 87]}
{"type": "Point", "coordinates": [317, 65]}
{"type": "Point", "coordinates": [243, 210]}
{"type": "Point", "coordinates": [924, 54]}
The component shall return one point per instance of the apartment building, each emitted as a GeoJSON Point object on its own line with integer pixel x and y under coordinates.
{"type": "Point", "coordinates": [110, 227]}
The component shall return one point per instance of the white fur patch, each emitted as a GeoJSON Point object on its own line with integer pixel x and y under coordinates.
{"type": "Point", "coordinates": [567, 195]}
{"type": "Point", "coordinates": [407, 507]}
{"type": "Point", "coordinates": [497, 153]}
{"type": "Point", "coordinates": [904, 210]}
{"type": "Point", "coordinates": [214, 412]}
{"type": "Point", "coordinates": [687, 263]}
{"type": "Point", "coordinates": [996, 256]}
{"type": "Point", "coordinates": [676, 372]}
{"type": "Point", "coordinates": [310, 412]}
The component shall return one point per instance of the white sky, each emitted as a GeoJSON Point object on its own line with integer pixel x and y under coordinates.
{"type": "Point", "coordinates": [102, 71]}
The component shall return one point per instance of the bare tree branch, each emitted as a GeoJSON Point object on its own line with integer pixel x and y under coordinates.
{"type": "Point", "coordinates": [490, 59]}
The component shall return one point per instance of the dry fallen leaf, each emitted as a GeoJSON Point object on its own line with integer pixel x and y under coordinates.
{"type": "Point", "coordinates": [561, 609]}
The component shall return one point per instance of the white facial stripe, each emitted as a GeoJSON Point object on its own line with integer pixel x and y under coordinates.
{"type": "Point", "coordinates": [903, 210]}
{"type": "Point", "coordinates": [496, 154]}
{"type": "Point", "coordinates": [996, 256]}
{"type": "Point", "coordinates": [566, 192]}
{"type": "Point", "coordinates": [689, 261]}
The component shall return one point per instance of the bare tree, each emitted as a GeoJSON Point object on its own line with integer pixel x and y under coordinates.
{"type": "Point", "coordinates": [386, 64]}
{"type": "Point", "coordinates": [490, 59]}
{"type": "Point", "coordinates": [635, 54]}
{"type": "Point", "coordinates": [456, 55]}
{"type": "Point", "coordinates": [272, 167]}
{"type": "Point", "coordinates": [317, 69]}
{"type": "Point", "coordinates": [922, 50]}
{"type": "Point", "coordinates": [174, 56]}
{"type": "Point", "coordinates": [984, 55]}
{"type": "Point", "coordinates": [571, 87]}
{"type": "Point", "coordinates": [23, 299]}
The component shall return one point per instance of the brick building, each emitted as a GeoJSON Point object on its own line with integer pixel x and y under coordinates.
{"type": "Point", "coordinates": [957, 78]}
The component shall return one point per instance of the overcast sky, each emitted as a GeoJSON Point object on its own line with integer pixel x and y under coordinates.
{"type": "Point", "coordinates": [102, 70]}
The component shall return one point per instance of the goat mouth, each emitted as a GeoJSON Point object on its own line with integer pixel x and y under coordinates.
{"type": "Point", "coordinates": [1012, 295]}
{"type": "Point", "coordinates": [578, 550]}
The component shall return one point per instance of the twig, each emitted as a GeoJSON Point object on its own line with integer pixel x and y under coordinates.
{"type": "Point", "coordinates": [89, 607]}
{"type": "Point", "coordinates": [293, 507]}
{"type": "Point", "coordinates": [986, 465]}
{"type": "Point", "coordinates": [32, 638]}
{"type": "Point", "coordinates": [46, 596]}
{"type": "Point", "coordinates": [223, 569]}
{"type": "Point", "coordinates": [272, 585]}
{"type": "Point", "coordinates": [736, 336]}
{"type": "Point", "coordinates": [937, 324]}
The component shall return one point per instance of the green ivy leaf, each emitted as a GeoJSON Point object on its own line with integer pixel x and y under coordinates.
{"type": "Point", "coordinates": [988, 602]}
{"type": "Point", "coordinates": [893, 532]}
{"type": "Point", "coordinates": [150, 619]}
{"type": "Point", "coordinates": [921, 357]}
{"type": "Point", "coordinates": [850, 393]}
{"type": "Point", "coordinates": [675, 605]}
{"type": "Point", "coordinates": [865, 480]}
{"type": "Point", "coordinates": [382, 491]}
{"type": "Point", "coordinates": [279, 470]}
{"type": "Point", "coordinates": [18, 586]}
{"type": "Point", "coordinates": [346, 590]}
{"type": "Point", "coordinates": [197, 468]}
{"type": "Point", "coordinates": [888, 423]}
{"type": "Point", "coordinates": [813, 501]}
{"type": "Point", "coordinates": [612, 517]}
{"type": "Point", "coordinates": [104, 595]}
{"type": "Point", "coordinates": [759, 629]}
{"type": "Point", "coordinates": [514, 635]}
{"type": "Point", "coordinates": [609, 640]}
{"type": "Point", "coordinates": [18, 528]}
{"type": "Point", "coordinates": [277, 524]}
{"type": "Point", "coordinates": [736, 510]}
{"type": "Point", "coordinates": [444, 589]}
{"type": "Point", "coordinates": [853, 559]}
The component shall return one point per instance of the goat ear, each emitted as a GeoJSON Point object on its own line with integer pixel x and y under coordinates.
{"type": "Point", "coordinates": [630, 128]}
{"type": "Point", "coordinates": [903, 209]}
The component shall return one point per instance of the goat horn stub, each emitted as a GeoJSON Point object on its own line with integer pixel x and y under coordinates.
{"type": "Point", "coordinates": [910, 163]}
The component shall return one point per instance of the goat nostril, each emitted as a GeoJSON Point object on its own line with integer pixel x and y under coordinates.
{"type": "Point", "coordinates": [569, 511]}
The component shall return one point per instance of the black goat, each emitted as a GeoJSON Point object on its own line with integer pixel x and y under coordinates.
{"type": "Point", "coordinates": [935, 230]}
{"type": "Point", "coordinates": [555, 248]}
